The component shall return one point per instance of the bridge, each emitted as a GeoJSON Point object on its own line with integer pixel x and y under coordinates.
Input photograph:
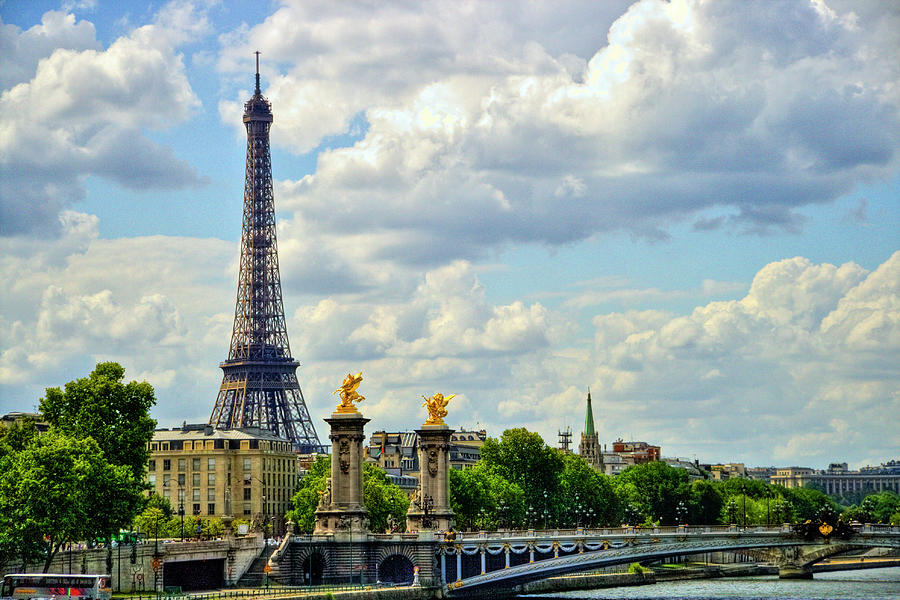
{"type": "Point", "coordinates": [507, 559]}
{"type": "Point", "coordinates": [483, 563]}
{"type": "Point", "coordinates": [342, 548]}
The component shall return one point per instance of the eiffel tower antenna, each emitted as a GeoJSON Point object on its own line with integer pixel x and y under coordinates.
{"type": "Point", "coordinates": [259, 386]}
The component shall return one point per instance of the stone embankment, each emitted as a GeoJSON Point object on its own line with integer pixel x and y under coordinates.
{"type": "Point", "coordinates": [588, 581]}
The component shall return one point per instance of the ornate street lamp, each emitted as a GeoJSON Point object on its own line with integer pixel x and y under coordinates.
{"type": "Point", "coordinates": [181, 514]}
{"type": "Point", "coordinates": [731, 510]}
{"type": "Point", "coordinates": [744, 502]}
{"type": "Point", "coordinates": [502, 508]}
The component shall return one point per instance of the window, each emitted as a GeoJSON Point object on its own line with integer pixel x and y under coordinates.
{"type": "Point", "coordinates": [211, 494]}
{"type": "Point", "coordinates": [182, 464]}
{"type": "Point", "coordinates": [247, 508]}
{"type": "Point", "coordinates": [211, 509]}
{"type": "Point", "coordinates": [151, 479]}
{"type": "Point", "coordinates": [210, 479]}
{"type": "Point", "coordinates": [195, 479]}
{"type": "Point", "coordinates": [195, 464]}
{"type": "Point", "coordinates": [167, 493]}
{"type": "Point", "coordinates": [181, 479]}
{"type": "Point", "coordinates": [197, 508]}
{"type": "Point", "coordinates": [195, 495]}
{"type": "Point", "coordinates": [210, 464]}
{"type": "Point", "coordinates": [246, 464]}
{"type": "Point", "coordinates": [151, 466]}
{"type": "Point", "coordinates": [167, 464]}
{"type": "Point", "coordinates": [247, 493]}
{"type": "Point", "coordinates": [167, 479]}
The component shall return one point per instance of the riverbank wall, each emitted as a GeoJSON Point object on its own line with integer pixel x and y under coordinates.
{"type": "Point", "coordinates": [588, 581]}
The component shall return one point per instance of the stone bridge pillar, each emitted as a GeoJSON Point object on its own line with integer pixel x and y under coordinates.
{"type": "Point", "coordinates": [430, 508]}
{"type": "Point", "coordinates": [795, 562]}
{"type": "Point", "coordinates": [341, 508]}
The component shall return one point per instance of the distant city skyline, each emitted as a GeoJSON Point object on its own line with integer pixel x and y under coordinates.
{"type": "Point", "coordinates": [689, 208]}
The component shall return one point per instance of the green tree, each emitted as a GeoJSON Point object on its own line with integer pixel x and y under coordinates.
{"type": "Point", "coordinates": [805, 502]}
{"type": "Point", "coordinates": [153, 522]}
{"type": "Point", "coordinates": [49, 492]}
{"type": "Point", "coordinates": [706, 502]}
{"type": "Point", "coordinates": [521, 457]}
{"type": "Point", "coordinates": [655, 489]}
{"type": "Point", "coordinates": [874, 508]}
{"type": "Point", "coordinates": [157, 501]}
{"type": "Point", "coordinates": [306, 498]}
{"type": "Point", "coordinates": [481, 497]}
{"type": "Point", "coordinates": [585, 496]}
{"type": "Point", "coordinates": [115, 414]}
{"type": "Point", "coordinates": [385, 501]}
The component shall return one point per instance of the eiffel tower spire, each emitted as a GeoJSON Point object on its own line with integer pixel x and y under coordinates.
{"type": "Point", "coordinates": [259, 386]}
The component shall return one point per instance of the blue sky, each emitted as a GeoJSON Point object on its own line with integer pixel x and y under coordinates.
{"type": "Point", "coordinates": [690, 208]}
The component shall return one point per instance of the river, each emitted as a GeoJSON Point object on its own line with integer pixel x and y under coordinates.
{"type": "Point", "coordinates": [841, 585]}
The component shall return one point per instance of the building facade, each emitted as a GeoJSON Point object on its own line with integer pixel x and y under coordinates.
{"type": "Point", "coordinates": [837, 480]}
{"type": "Point", "coordinates": [725, 471]}
{"type": "Point", "coordinates": [246, 473]}
{"type": "Point", "coordinates": [396, 452]}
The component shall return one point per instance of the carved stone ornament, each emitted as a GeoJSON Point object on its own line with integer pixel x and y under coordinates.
{"type": "Point", "coordinates": [432, 462]}
{"type": "Point", "coordinates": [344, 456]}
{"type": "Point", "coordinates": [325, 496]}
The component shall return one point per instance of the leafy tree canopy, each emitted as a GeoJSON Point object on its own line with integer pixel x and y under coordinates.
{"type": "Point", "coordinates": [50, 493]}
{"type": "Point", "coordinates": [521, 457]}
{"type": "Point", "coordinates": [586, 496]}
{"type": "Point", "coordinates": [655, 489]}
{"type": "Point", "coordinates": [115, 414]}
{"type": "Point", "coordinates": [481, 497]}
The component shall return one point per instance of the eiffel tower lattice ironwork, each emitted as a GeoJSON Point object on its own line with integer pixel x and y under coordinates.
{"type": "Point", "coordinates": [259, 387]}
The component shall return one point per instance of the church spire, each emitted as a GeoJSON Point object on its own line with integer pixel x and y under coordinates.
{"type": "Point", "coordinates": [589, 417]}
{"type": "Point", "coordinates": [589, 448]}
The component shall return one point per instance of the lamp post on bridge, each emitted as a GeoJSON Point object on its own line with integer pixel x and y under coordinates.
{"type": "Point", "coordinates": [744, 503]}
{"type": "Point", "coordinates": [181, 514]}
{"type": "Point", "coordinates": [768, 497]}
{"type": "Point", "coordinates": [731, 510]}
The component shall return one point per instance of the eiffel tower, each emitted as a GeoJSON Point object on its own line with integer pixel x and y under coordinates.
{"type": "Point", "coordinates": [259, 387]}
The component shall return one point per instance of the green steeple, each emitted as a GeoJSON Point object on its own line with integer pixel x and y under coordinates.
{"type": "Point", "coordinates": [589, 417]}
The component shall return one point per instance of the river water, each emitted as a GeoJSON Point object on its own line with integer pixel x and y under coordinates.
{"type": "Point", "coordinates": [841, 585]}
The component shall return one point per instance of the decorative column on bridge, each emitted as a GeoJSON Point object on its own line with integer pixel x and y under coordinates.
{"type": "Point", "coordinates": [341, 508]}
{"type": "Point", "coordinates": [430, 506]}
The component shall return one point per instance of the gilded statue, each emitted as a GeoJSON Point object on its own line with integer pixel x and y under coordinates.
{"type": "Point", "coordinates": [437, 408]}
{"type": "Point", "coordinates": [348, 393]}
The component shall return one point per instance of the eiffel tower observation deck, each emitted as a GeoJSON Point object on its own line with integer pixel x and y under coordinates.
{"type": "Point", "coordinates": [259, 386]}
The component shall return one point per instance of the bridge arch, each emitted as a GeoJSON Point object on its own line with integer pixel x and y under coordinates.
{"type": "Point", "coordinates": [396, 568]}
{"type": "Point", "coordinates": [395, 563]}
{"type": "Point", "coordinates": [312, 563]}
